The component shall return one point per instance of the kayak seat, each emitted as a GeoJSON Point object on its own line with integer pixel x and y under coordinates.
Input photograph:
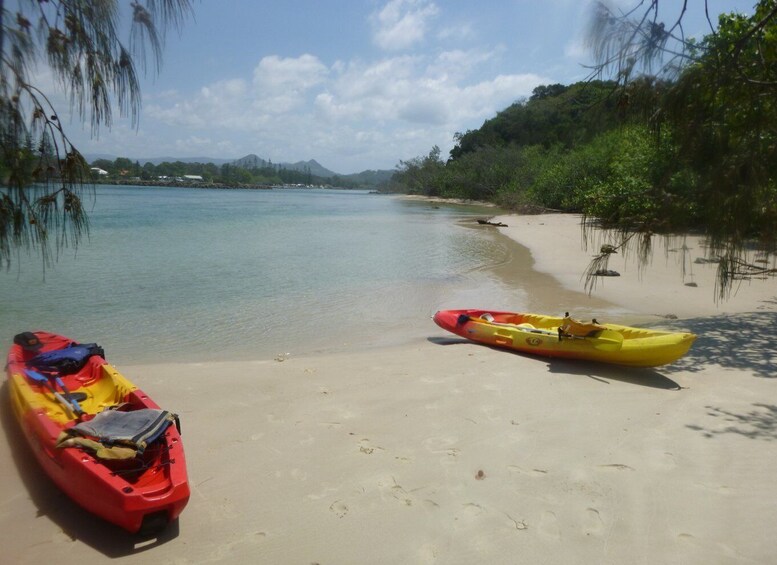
{"type": "Point", "coordinates": [575, 328]}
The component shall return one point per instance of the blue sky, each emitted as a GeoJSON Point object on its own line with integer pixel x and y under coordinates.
{"type": "Point", "coordinates": [354, 84]}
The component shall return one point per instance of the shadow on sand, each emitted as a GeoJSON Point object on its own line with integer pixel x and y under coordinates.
{"type": "Point", "coordinates": [758, 423]}
{"type": "Point", "coordinates": [74, 521]}
{"type": "Point", "coordinates": [746, 342]}
{"type": "Point", "coordinates": [601, 372]}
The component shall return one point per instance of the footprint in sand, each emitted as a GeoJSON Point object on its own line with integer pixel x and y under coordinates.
{"type": "Point", "coordinates": [593, 525]}
{"type": "Point", "coordinates": [330, 424]}
{"type": "Point", "coordinates": [529, 472]}
{"type": "Point", "coordinates": [548, 526]}
{"type": "Point", "coordinates": [470, 511]}
{"type": "Point", "coordinates": [519, 525]}
{"type": "Point", "coordinates": [452, 452]}
{"type": "Point", "coordinates": [720, 489]}
{"type": "Point", "coordinates": [368, 449]}
{"type": "Point", "coordinates": [338, 508]}
{"type": "Point", "coordinates": [401, 495]}
{"type": "Point", "coordinates": [617, 467]}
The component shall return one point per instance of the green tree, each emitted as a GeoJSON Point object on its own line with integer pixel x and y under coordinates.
{"type": "Point", "coordinates": [553, 115]}
{"type": "Point", "coordinates": [422, 175]}
{"type": "Point", "coordinates": [721, 109]}
{"type": "Point", "coordinates": [44, 174]}
{"type": "Point", "coordinates": [149, 171]}
{"type": "Point", "coordinates": [123, 166]}
{"type": "Point", "coordinates": [485, 174]}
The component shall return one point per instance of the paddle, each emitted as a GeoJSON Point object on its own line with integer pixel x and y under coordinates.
{"type": "Point", "coordinates": [71, 397]}
{"type": "Point", "coordinates": [40, 379]}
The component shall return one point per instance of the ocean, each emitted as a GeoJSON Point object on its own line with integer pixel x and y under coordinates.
{"type": "Point", "coordinates": [192, 275]}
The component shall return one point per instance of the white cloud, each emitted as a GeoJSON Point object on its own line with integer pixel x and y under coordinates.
{"type": "Point", "coordinates": [402, 23]}
{"type": "Point", "coordinates": [458, 64]}
{"type": "Point", "coordinates": [392, 108]}
{"type": "Point", "coordinates": [275, 73]}
{"type": "Point", "coordinates": [280, 84]}
{"type": "Point", "coordinates": [456, 32]}
{"type": "Point", "coordinates": [350, 114]}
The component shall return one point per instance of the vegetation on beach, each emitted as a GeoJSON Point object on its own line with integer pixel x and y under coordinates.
{"type": "Point", "coordinates": [692, 146]}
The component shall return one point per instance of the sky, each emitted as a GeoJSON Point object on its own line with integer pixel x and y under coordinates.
{"type": "Point", "coordinates": [353, 84]}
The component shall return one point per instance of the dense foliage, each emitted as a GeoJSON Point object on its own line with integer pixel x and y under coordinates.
{"type": "Point", "coordinates": [694, 150]}
{"type": "Point", "coordinates": [567, 148]}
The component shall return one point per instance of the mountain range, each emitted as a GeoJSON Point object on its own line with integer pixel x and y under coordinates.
{"type": "Point", "coordinates": [315, 168]}
{"type": "Point", "coordinates": [253, 161]}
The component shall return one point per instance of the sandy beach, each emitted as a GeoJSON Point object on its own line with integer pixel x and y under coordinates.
{"type": "Point", "coordinates": [444, 451]}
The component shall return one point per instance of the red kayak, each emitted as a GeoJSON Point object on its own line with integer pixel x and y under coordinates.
{"type": "Point", "coordinates": [101, 439]}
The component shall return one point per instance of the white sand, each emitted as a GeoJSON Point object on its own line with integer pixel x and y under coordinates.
{"type": "Point", "coordinates": [442, 451]}
{"type": "Point", "coordinates": [661, 288]}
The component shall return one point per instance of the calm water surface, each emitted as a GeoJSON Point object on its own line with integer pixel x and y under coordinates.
{"type": "Point", "coordinates": [174, 274]}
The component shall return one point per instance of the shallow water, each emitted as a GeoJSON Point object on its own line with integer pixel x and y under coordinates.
{"type": "Point", "coordinates": [173, 274]}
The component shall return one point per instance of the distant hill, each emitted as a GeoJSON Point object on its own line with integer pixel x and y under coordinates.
{"type": "Point", "coordinates": [364, 178]}
{"type": "Point", "coordinates": [315, 168]}
{"type": "Point", "coordinates": [369, 178]}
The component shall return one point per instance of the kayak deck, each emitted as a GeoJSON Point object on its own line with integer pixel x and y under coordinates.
{"type": "Point", "coordinates": [551, 336]}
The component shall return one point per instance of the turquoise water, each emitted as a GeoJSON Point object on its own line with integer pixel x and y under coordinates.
{"type": "Point", "coordinates": [172, 274]}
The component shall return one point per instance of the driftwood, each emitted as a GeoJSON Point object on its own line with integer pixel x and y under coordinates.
{"type": "Point", "coordinates": [489, 223]}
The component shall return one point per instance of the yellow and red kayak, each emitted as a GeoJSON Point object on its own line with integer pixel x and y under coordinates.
{"type": "Point", "coordinates": [100, 438]}
{"type": "Point", "coordinates": [565, 337]}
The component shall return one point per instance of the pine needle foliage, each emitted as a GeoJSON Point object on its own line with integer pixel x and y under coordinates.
{"type": "Point", "coordinates": [721, 109]}
{"type": "Point", "coordinates": [43, 177]}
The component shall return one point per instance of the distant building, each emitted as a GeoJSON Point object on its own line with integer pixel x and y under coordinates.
{"type": "Point", "coordinates": [98, 171]}
{"type": "Point", "coordinates": [193, 177]}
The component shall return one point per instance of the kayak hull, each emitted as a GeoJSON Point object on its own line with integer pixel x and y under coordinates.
{"type": "Point", "coordinates": [142, 493]}
{"type": "Point", "coordinates": [537, 334]}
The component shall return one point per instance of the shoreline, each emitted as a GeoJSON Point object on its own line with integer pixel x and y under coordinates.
{"type": "Point", "coordinates": [444, 451]}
